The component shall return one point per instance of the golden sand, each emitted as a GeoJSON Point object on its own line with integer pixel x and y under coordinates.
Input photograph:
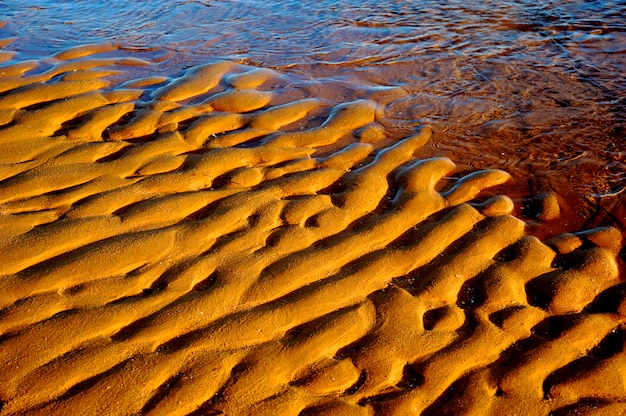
{"type": "Point", "coordinates": [202, 245]}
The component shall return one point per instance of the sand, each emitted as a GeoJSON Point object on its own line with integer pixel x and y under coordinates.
{"type": "Point", "coordinates": [205, 245]}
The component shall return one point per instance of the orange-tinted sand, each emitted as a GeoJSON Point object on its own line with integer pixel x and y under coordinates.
{"type": "Point", "coordinates": [203, 246]}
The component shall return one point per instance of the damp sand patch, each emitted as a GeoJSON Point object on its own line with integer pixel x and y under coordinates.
{"type": "Point", "coordinates": [205, 244]}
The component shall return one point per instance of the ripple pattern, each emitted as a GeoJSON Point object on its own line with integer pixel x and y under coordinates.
{"type": "Point", "coordinates": [205, 245]}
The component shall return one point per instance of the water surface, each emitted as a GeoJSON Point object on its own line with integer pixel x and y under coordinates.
{"type": "Point", "coordinates": [537, 90]}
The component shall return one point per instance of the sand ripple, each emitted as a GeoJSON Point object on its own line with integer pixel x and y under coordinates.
{"type": "Point", "coordinates": [205, 245]}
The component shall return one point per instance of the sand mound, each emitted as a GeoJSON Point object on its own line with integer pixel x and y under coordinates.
{"type": "Point", "coordinates": [201, 245]}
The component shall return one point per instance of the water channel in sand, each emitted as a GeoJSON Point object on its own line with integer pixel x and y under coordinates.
{"type": "Point", "coordinates": [536, 90]}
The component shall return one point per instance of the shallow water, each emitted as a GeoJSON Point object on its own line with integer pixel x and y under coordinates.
{"type": "Point", "coordinates": [537, 90]}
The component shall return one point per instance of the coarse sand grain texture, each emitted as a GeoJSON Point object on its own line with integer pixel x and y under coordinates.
{"type": "Point", "coordinates": [206, 245]}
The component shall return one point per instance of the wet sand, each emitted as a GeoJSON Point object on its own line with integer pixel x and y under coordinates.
{"type": "Point", "coordinates": [207, 244]}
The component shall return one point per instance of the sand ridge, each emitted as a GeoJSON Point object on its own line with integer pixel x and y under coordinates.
{"type": "Point", "coordinates": [203, 244]}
